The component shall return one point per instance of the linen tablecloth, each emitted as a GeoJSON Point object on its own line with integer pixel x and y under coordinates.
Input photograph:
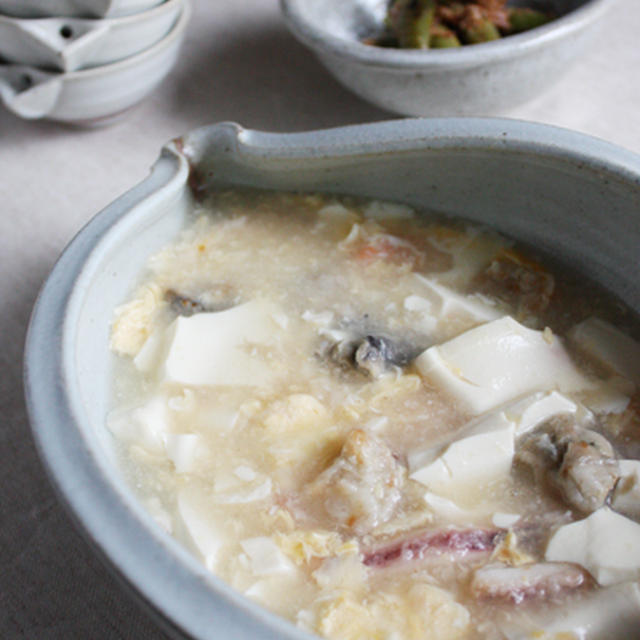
{"type": "Point", "coordinates": [238, 63]}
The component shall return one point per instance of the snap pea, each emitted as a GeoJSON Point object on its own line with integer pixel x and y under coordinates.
{"type": "Point", "coordinates": [443, 38]}
{"type": "Point", "coordinates": [522, 19]}
{"type": "Point", "coordinates": [415, 27]}
{"type": "Point", "coordinates": [483, 31]}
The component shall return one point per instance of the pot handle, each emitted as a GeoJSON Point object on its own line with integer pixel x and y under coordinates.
{"type": "Point", "coordinates": [67, 42]}
{"type": "Point", "coordinates": [28, 92]}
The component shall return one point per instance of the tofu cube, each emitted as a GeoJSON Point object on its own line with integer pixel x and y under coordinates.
{"type": "Point", "coordinates": [497, 362]}
{"type": "Point", "coordinates": [210, 349]}
{"type": "Point", "coordinates": [606, 544]}
{"type": "Point", "coordinates": [609, 347]}
{"type": "Point", "coordinates": [482, 452]}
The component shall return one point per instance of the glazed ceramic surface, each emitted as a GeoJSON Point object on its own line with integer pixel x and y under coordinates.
{"type": "Point", "coordinates": [482, 79]}
{"type": "Point", "coordinates": [87, 97]}
{"type": "Point", "coordinates": [69, 44]}
{"type": "Point", "coordinates": [74, 8]}
{"type": "Point", "coordinates": [567, 194]}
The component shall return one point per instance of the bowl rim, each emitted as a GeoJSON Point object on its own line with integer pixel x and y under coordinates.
{"type": "Point", "coordinates": [174, 33]}
{"type": "Point", "coordinates": [142, 555]}
{"type": "Point", "coordinates": [563, 27]}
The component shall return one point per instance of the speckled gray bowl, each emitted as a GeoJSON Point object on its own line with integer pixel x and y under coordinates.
{"type": "Point", "coordinates": [95, 96]}
{"type": "Point", "coordinates": [566, 193]}
{"type": "Point", "coordinates": [71, 44]}
{"type": "Point", "coordinates": [482, 79]}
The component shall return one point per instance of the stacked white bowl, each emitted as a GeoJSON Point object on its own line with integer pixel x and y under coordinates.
{"type": "Point", "coordinates": [86, 61]}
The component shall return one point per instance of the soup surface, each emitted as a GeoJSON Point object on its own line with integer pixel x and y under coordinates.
{"type": "Point", "coordinates": [383, 425]}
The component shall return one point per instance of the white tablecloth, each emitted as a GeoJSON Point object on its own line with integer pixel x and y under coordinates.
{"type": "Point", "coordinates": [238, 63]}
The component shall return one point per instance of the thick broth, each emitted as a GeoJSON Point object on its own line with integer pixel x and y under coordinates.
{"type": "Point", "coordinates": [302, 459]}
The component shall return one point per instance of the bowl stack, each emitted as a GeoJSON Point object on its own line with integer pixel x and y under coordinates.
{"type": "Point", "coordinates": [85, 61]}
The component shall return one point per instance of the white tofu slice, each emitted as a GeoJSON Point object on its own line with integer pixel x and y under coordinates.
{"type": "Point", "coordinates": [149, 358]}
{"type": "Point", "coordinates": [182, 449]}
{"type": "Point", "coordinates": [445, 301]}
{"type": "Point", "coordinates": [376, 425]}
{"type": "Point", "coordinates": [245, 473]}
{"type": "Point", "coordinates": [223, 419]}
{"type": "Point", "coordinates": [243, 495]}
{"type": "Point", "coordinates": [145, 425]}
{"type": "Point", "coordinates": [352, 236]}
{"type": "Point", "coordinates": [496, 362]}
{"type": "Point", "coordinates": [611, 397]}
{"type": "Point", "coordinates": [184, 401]}
{"type": "Point", "coordinates": [265, 590]}
{"type": "Point", "coordinates": [207, 535]}
{"type": "Point", "coordinates": [505, 520]}
{"type": "Point", "coordinates": [626, 497]}
{"type": "Point", "coordinates": [212, 349]}
{"type": "Point", "coordinates": [539, 407]}
{"type": "Point", "coordinates": [606, 544]}
{"type": "Point", "coordinates": [484, 451]}
{"type": "Point", "coordinates": [320, 319]}
{"type": "Point", "coordinates": [612, 613]}
{"type": "Point", "coordinates": [336, 210]}
{"type": "Point", "coordinates": [484, 447]}
{"type": "Point", "coordinates": [608, 346]}
{"type": "Point", "coordinates": [241, 486]}
{"type": "Point", "coordinates": [380, 210]}
{"type": "Point", "coordinates": [265, 556]}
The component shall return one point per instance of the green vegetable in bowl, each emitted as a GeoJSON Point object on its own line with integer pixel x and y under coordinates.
{"type": "Point", "coordinates": [522, 19]}
{"type": "Point", "coordinates": [411, 22]}
{"type": "Point", "coordinates": [437, 24]}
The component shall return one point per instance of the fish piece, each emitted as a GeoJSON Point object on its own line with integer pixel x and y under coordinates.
{"type": "Point", "coordinates": [388, 248]}
{"type": "Point", "coordinates": [183, 305]}
{"type": "Point", "coordinates": [612, 614]}
{"type": "Point", "coordinates": [376, 355]}
{"type": "Point", "coordinates": [535, 581]}
{"type": "Point", "coordinates": [363, 485]}
{"type": "Point", "coordinates": [372, 354]}
{"type": "Point", "coordinates": [433, 543]}
{"type": "Point", "coordinates": [219, 298]}
{"type": "Point", "coordinates": [580, 464]}
{"type": "Point", "coordinates": [626, 496]}
{"type": "Point", "coordinates": [588, 472]}
{"type": "Point", "coordinates": [524, 284]}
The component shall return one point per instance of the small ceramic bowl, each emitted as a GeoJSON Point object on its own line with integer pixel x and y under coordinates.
{"type": "Point", "coordinates": [94, 95]}
{"type": "Point", "coordinates": [565, 193]}
{"type": "Point", "coordinates": [74, 8]}
{"type": "Point", "coordinates": [480, 79]}
{"type": "Point", "coordinates": [70, 44]}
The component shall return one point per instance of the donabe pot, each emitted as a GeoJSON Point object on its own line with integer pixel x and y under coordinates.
{"type": "Point", "coordinates": [566, 194]}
